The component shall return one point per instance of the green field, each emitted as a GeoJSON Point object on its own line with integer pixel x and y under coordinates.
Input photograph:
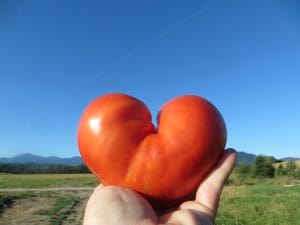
{"type": "Point", "coordinates": [260, 204]}
{"type": "Point", "coordinates": [33, 199]}
{"type": "Point", "coordinates": [46, 180]}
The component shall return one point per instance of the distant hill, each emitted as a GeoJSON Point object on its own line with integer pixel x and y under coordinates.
{"type": "Point", "coordinates": [290, 158]}
{"type": "Point", "coordinates": [51, 160]}
{"type": "Point", "coordinates": [244, 157]}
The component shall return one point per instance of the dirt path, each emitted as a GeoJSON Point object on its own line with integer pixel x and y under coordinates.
{"type": "Point", "coordinates": [291, 185]}
{"type": "Point", "coordinates": [47, 189]}
{"type": "Point", "coordinates": [26, 210]}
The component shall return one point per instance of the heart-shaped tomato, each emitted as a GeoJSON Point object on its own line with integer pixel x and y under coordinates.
{"type": "Point", "coordinates": [121, 146]}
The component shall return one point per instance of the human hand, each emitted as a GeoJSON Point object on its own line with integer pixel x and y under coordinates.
{"type": "Point", "coordinates": [112, 205]}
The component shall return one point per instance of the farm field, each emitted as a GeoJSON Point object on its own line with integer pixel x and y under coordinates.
{"type": "Point", "coordinates": [44, 198]}
{"type": "Point", "coordinates": [46, 180]}
{"type": "Point", "coordinates": [268, 204]}
{"type": "Point", "coordinates": [60, 200]}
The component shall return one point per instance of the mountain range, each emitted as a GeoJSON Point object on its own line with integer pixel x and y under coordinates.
{"type": "Point", "coordinates": [51, 160]}
{"type": "Point", "coordinates": [243, 157]}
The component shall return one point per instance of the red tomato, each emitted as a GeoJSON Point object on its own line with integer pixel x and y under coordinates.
{"type": "Point", "coordinates": [121, 146]}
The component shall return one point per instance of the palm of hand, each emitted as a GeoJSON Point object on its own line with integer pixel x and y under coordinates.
{"type": "Point", "coordinates": [111, 205]}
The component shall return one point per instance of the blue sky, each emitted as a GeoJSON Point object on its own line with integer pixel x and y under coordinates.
{"type": "Point", "coordinates": [56, 56]}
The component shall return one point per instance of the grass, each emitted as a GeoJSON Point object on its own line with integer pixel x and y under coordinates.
{"type": "Point", "coordinates": [236, 180]}
{"type": "Point", "coordinates": [8, 199]}
{"type": "Point", "coordinates": [246, 201]}
{"type": "Point", "coordinates": [46, 180]}
{"type": "Point", "coordinates": [62, 208]}
{"type": "Point", "coordinates": [57, 207]}
{"type": "Point", "coordinates": [65, 202]}
{"type": "Point", "coordinates": [263, 203]}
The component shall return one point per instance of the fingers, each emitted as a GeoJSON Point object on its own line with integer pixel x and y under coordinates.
{"type": "Point", "coordinates": [208, 193]}
{"type": "Point", "coordinates": [116, 205]}
{"type": "Point", "coordinates": [185, 217]}
{"type": "Point", "coordinates": [107, 203]}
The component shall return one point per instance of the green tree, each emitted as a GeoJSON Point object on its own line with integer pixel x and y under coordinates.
{"type": "Point", "coordinates": [291, 168]}
{"type": "Point", "coordinates": [297, 173]}
{"type": "Point", "coordinates": [272, 159]}
{"type": "Point", "coordinates": [243, 170]}
{"type": "Point", "coordinates": [280, 170]}
{"type": "Point", "coordinates": [263, 167]}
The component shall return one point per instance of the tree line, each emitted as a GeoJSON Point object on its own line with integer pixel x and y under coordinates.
{"type": "Point", "coordinates": [41, 168]}
{"type": "Point", "coordinates": [263, 167]}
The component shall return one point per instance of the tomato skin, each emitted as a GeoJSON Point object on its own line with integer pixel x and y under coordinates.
{"type": "Point", "coordinates": [120, 145]}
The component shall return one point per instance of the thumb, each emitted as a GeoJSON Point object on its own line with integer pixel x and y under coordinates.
{"type": "Point", "coordinates": [209, 191]}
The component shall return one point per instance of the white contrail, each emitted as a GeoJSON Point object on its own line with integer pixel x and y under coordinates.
{"type": "Point", "coordinates": [199, 11]}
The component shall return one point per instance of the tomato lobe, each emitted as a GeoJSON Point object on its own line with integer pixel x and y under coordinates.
{"type": "Point", "coordinates": [121, 146]}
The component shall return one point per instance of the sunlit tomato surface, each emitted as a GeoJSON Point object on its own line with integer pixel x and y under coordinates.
{"type": "Point", "coordinates": [121, 146]}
